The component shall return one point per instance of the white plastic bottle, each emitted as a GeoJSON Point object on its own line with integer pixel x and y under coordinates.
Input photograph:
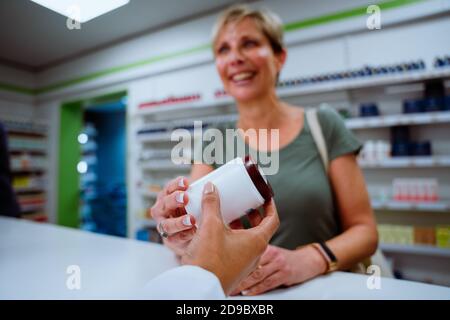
{"type": "Point", "coordinates": [241, 186]}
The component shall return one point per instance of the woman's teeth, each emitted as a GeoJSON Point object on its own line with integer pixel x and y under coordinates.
{"type": "Point", "coordinates": [242, 76]}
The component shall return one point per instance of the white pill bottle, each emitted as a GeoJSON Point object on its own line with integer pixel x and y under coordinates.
{"type": "Point", "coordinates": [241, 185]}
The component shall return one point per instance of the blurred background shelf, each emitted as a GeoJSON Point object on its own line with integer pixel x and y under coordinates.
{"type": "Point", "coordinates": [439, 206]}
{"type": "Point", "coordinates": [32, 207]}
{"type": "Point", "coordinates": [399, 119]}
{"type": "Point", "coordinates": [162, 137]}
{"type": "Point", "coordinates": [29, 190]}
{"type": "Point", "coordinates": [415, 250]}
{"type": "Point", "coordinates": [35, 151]}
{"type": "Point", "coordinates": [35, 216]}
{"type": "Point", "coordinates": [408, 162]}
{"type": "Point", "coordinates": [27, 170]}
{"type": "Point", "coordinates": [361, 83]}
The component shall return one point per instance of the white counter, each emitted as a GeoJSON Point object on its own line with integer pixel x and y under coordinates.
{"type": "Point", "coordinates": [34, 259]}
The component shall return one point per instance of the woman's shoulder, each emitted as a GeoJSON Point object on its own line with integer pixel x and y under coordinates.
{"type": "Point", "coordinates": [329, 115]}
{"type": "Point", "coordinates": [330, 120]}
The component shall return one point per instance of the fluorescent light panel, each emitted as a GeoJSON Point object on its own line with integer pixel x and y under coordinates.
{"type": "Point", "coordinates": [89, 9]}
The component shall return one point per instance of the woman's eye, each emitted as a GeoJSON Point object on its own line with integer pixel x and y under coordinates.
{"type": "Point", "coordinates": [250, 44]}
{"type": "Point", "coordinates": [222, 50]}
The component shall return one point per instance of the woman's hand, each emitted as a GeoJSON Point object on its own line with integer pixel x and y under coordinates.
{"type": "Point", "coordinates": [282, 267]}
{"type": "Point", "coordinates": [229, 254]}
{"type": "Point", "coordinates": [170, 212]}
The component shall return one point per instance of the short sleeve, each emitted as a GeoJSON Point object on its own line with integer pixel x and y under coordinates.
{"type": "Point", "coordinates": [339, 139]}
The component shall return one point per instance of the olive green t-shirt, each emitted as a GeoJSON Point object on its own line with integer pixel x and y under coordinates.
{"type": "Point", "coordinates": [303, 194]}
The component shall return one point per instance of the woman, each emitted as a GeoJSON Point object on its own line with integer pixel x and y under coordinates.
{"type": "Point", "coordinates": [326, 221]}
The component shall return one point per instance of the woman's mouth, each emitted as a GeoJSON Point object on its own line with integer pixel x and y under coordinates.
{"type": "Point", "coordinates": [242, 77]}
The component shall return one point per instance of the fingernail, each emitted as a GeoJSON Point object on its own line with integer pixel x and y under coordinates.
{"type": "Point", "coordinates": [181, 183]}
{"type": "Point", "coordinates": [180, 197]}
{"type": "Point", "coordinates": [245, 292]}
{"type": "Point", "coordinates": [209, 188]}
{"type": "Point", "coordinates": [187, 220]}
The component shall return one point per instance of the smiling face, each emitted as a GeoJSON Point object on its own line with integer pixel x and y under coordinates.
{"type": "Point", "coordinates": [246, 61]}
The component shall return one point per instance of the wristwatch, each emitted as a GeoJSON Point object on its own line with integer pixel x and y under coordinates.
{"type": "Point", "coordinates": [328, 255]}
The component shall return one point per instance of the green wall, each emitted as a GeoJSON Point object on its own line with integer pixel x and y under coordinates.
{"type": "Point", "coordinates": [71, 124]}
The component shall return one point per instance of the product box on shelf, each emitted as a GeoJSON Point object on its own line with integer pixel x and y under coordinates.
{"type": "Point", "coordinates": [443, 236]}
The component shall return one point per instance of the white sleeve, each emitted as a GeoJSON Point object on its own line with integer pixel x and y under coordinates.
{"type": "Point", "coordinates": [183, 283]}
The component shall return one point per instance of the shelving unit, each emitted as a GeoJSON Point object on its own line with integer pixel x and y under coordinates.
{"type": "Point", "coordinates": [407, 162]}
{"type": "Point", "coordinates": [88, 176]}
{"type": "Point", "coordinates": [396, 120]}
{"type": "Point", "coordinates": [154, 125]}
{"type": "Point", "coordinates": [28, 157]}
{"type": "Point", "coordinates": [415, 250]}
{"type": "Point", "coordinates": [321, 88]}
{"type": "Point", "coordinates": [438, 206]}
{"type": "Point", "coordinates": [366, 82]}
{"type": "Point", "coordinates": [28, 190]}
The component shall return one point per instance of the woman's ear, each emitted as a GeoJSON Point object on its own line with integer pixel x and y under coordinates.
{"type": "Point", "coordinates": [280, 59]}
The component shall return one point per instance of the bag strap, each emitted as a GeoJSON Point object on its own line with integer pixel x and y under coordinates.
{"type": "Point", "coordinates": [317, 134]}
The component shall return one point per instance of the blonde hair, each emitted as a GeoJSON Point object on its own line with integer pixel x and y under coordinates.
{"type": "Point", "coordinates": [269, 23]}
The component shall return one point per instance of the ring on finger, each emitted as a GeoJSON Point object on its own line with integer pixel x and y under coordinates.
{"type": "Point", "coordinates": [162, 232]}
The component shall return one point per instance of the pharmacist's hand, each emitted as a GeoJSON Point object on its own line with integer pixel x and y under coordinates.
{"type": "Point", "coordinates": [229, 254]}
{"type": "Point", "coordinates": [282, 267]}
{"type": "Point", "coordinates": [169, 212]}
{"type": "Point", "coordinates": [254, 218]}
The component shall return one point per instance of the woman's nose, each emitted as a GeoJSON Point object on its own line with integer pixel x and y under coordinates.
{"type": "Point", "coordinates": [235, 57]}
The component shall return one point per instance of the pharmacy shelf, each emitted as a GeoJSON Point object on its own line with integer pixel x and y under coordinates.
{"type": "Point", "coordinates": [399, 119]}
{"type": "Point", "coordinates": [438, 206]}
{"type": "Point", "coordinates": [90, 146]}
{"type": "Point", "coordinates": [407, 162]}
{"type": "Point", "coordinates": [198, 105]}
{"type": "Point", "coordinates": [164, 166]}
{"type": "Point", "coordinates": [161, 137]}
{"type": "Point", "coordinates": [364, 82]}
{"type": "Point", "coordinates": [415, 250]}
{"type": "Point", "coordinates": [20, 125]}
{"type": "Point", "coordinates": [314, 88]}
{"type": "Point", "coordinates": [28, 170]}
{"type": "Point", "coordinates": [213, 109]}
{"type": "Point", "coordinates": [88, 177]}
{"type": "Point", "coordinates": [37, 151]}
{"type": "Point", "coordinates": [28, 134]}
{"type": "Point", "coordinates": [155, 137]}
{"type": "Point", "coordinates": [181, 123]}
{"type": "Point", "coordinates": [29, 190]}
{"type": "Point", "coordinates": [31, 207]}
{"type": "Point", "coordinates": [37, 217]}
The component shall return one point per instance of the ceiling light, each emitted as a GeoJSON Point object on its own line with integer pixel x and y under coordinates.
{"type": "Point", "coordinates": [81, 10]}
